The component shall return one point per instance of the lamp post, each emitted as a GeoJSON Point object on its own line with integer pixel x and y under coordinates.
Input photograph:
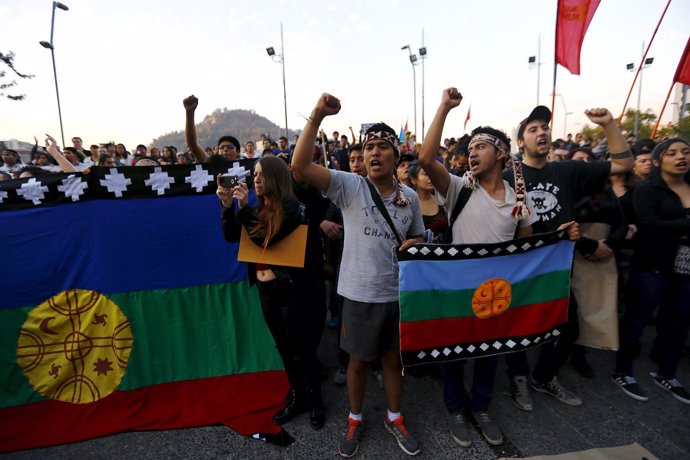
{"type": "Point", "coordinates": [631, 67]}
{"type": "Point", "coordinates": [565, 117]}
{"type": "Point", "coordinates": [413, 61]}
{"type": "Point", "coordinates": [533, 61]}
{"type": "Point", "coordinates": [281, 59]}
{"type": "Point", "coordinates": [422, 53]}
{"type": "Point", "coordinates": [49, 45]}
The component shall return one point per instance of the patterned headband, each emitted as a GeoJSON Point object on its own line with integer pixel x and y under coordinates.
{"type": "Point", "coordinates": [493, 140]}
{"type": "Point", "coordinates": [392, 139]}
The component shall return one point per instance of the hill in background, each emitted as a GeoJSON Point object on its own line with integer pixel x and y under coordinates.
{"type": "Point", "coordinates": [245, 125]}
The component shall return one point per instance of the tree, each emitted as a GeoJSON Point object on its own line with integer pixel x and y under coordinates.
{"type": "Point", "coordinates": [647, 122]}
{"type": "Point", "coordinates": [593, 133]}
{"type": "Point", "coordinates": [683, 128]}
{"type": "Point", "coordinates": [8, 60]}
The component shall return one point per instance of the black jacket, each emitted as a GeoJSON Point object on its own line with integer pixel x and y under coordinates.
{"type": "Point", "coordinates": [661, 222]}
{"type": "Point", "coordinates": [293, 216]}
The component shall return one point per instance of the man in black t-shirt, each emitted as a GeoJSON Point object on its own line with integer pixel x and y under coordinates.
{"type": "Point", "coordinates": [554, 188]}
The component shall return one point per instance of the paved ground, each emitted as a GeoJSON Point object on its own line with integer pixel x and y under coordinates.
{"type": "Point", "coordinates": [607, 418]}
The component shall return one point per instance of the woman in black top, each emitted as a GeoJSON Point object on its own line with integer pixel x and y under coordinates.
{"type": "Point", "coordinates": [660, 272]}
{"type": "Point", "coordinates": [281, 289]}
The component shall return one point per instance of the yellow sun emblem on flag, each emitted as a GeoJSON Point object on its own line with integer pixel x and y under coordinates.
{"type": "Point", "coordinates": [74, 347]}
{"type": "Point", "coordinates": [492, 298]}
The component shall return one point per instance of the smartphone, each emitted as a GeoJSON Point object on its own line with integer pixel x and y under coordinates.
{"type": "Point", "coordinates": [229, 181]}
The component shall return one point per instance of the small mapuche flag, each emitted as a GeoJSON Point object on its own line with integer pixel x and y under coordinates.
{"type": "Point", "coordinates": [468, 301]}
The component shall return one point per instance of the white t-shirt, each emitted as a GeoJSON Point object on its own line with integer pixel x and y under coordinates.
{"type": "Point", "coordinates": [369, 266]}
{"type": "Point", "coordinates": [484, 219]}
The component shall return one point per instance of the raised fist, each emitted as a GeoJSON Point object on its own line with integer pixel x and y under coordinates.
{"type": "Point", "coordinates": [451, 98]}
{"type": "Point", "coordinates": [190, 103]}
{"type": "Point", "coordinates": [599, 116]}
{"type": "Point", "coordinates": [327, 105]}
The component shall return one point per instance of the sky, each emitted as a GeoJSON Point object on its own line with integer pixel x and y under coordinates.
{"type": "Point", "coordinates": [125, 66]}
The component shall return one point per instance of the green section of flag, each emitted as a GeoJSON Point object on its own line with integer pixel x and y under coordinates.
{"type": "Point", "coordinates": [179, 334]}
{"type": "Point", "coordinates": [430, 305]}
{"type": "Point", "coordinates": [15, 389]}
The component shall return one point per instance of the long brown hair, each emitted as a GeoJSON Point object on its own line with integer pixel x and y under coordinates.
{"type": "Point", "coordinates": [277, 186]}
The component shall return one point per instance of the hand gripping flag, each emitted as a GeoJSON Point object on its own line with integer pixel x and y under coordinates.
{"type": "Point", "coordinates": [468, 301]}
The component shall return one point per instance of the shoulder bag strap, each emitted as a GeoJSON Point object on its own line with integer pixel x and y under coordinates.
{"type": "Point", "coordinates": [382, 209]}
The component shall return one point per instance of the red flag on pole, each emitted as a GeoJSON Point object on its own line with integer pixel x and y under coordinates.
{"type": "Point", "coordinates": [573, 20]}
{"type": "Point", "coordinates": [682, 76]}
{"type": "Point", "coordinates": [467, 118]}
{"type": "Point", "coordinates": [683, 72]}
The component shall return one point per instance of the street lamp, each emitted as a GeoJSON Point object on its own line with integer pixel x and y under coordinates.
{"type": "Point", "coordinates": [565, 111]}
{"type": "Point", "coordinates": [49, 45]}
{"type": "Point", "coordinates": [281, 59]}
{"type": "Point", "coordinates": [413, 60]}
{"type": "Point", "coordinates": [631, 67]}
{"type": "Point", "coordinates": [533, 61]}
{"type": "Point", "coordinates": [422, 53]}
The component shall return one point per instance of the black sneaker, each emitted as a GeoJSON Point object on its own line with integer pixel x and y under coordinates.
{"type": "Point", "coordinates": [629, 386]}
{"type": "Point", "coordinates": [459, 430]}
{"type": "Point", "coordinates": [490, 430]}
{"type": "Point", "coordinates": [558, 391]}
{"type": "Point", "coordinates": [673, 386]}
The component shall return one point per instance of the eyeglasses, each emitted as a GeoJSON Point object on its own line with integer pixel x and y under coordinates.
{"type": "Point", "coordinates": [227, 147]}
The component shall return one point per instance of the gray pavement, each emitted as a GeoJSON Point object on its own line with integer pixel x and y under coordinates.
{"type": "Point", "coordinates": [607, 418]}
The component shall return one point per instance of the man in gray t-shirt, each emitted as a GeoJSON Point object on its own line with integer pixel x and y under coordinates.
{"type": "Point", "coordinates": [369, 269]}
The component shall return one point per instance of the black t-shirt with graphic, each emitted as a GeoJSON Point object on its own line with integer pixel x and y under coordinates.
{"type": "Point", "coordinates": [555, 188]}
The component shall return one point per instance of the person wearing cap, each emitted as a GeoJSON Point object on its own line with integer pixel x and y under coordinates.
{"type": "Point", "coordinates": [554, 188]}
{"type": "Point", "coordinates": [183, 158]}
{"type": "Point", "coordinates": [228, 146]}
{"type": "Point", "coordinates": [642, 150]}
{"type": "Point", "coordinates": [369, 270]}
{"type": "Point", "coordinates": [493, 213]}
{"type": "Point", "coordinates": [660, 272]}
{"type": "Point", "coordinates": [403, 167]}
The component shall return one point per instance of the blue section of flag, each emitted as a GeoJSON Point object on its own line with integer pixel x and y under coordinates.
{"type": "Point", "coordinates": [401, 136]}
{"type": "Point", "coordinates": [444, 275]}
{"type": "Point", "coordinates": [113, 246]}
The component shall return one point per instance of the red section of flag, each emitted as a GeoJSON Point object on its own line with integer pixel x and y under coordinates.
{"type": "Point", "coordinates": [243, 402]}
{"type": "Point", "coordinates": [467, 118]}
{"type": "Point", "coordinates": [683, 71]}
{"type": "Point", "coordinates": [523, 321]}
{"type": "Point", "coordinates": [572, 22]}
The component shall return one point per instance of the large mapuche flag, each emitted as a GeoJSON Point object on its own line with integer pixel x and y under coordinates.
{"type": "Point", "coordinates": [468, 301]}
{"type": "Point", "coordinates": [122, 308]}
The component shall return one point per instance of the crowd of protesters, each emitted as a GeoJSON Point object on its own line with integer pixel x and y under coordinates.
{"type": "Point", "coordinates": [466, 190]}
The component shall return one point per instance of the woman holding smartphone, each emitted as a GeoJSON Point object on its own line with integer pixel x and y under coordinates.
{"type": "Point", "coordinates": [277, 215]}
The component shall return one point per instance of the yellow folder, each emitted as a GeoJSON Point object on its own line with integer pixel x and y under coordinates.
{"type": "Point", "coordinates": [288, 252]}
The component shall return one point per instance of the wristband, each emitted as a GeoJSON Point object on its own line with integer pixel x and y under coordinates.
{"type": "Point", "coordinates": [621, 156]}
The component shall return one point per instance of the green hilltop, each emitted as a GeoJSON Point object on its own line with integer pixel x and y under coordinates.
{"type": "Point", "coordinates": [245, 125]}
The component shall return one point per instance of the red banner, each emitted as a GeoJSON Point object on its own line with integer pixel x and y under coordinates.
{"type": "Point", "coordinates": [572, 22]}
{"type": "Point", "coordinates": [683, 71]}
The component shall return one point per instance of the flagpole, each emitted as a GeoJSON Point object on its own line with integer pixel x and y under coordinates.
{"type": "Point", "coordinates": [555, 63]}
{"type": "Point", "coordinates": [662, 110]}
{"type": "Point", "coordinates": [639, 68]}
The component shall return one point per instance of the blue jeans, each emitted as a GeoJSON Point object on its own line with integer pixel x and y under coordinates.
{"type": "Point", "coordinates": [482, 384]}
{"type": "Point", "coordinates": [648, 290]}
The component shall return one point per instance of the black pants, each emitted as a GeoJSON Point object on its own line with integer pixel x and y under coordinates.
{"type": "Point", "coordinates": [295, 314]}
{"type": "Point", "coordinates": [552, 355]}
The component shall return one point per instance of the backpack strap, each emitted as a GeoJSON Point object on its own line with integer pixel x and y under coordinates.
{"type": "Point", "coordinates": [463, 198]}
